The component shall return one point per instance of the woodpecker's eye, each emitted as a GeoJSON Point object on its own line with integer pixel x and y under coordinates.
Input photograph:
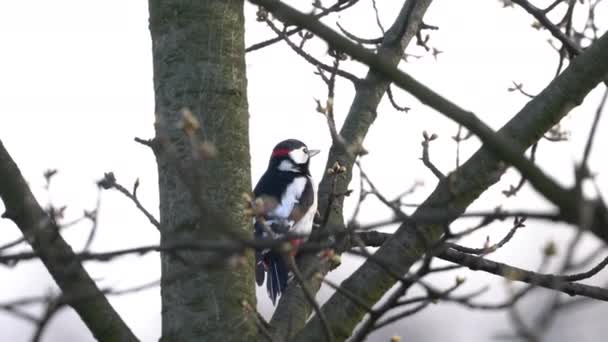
{"type": "Point", "coordinates": [305, 150]}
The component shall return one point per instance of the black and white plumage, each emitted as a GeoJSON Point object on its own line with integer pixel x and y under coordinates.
{"type": "Point", "coordinates": [289, 205]}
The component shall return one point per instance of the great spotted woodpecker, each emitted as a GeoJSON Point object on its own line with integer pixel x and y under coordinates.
{"type": "Point", "coordinates": [289, 203]}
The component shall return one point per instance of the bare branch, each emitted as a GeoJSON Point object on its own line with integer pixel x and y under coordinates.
{"type": "Point", "coordinates": [337, 7]}
{"type": "Point", "coordinates": [539, 14]}
{"type": "Point", "coordinates": [310, 59]}
{"type": "Point", "coordinates": [555, 282]}
{"type": "Point", "coordinates": [589, 144]}
{"type": "Point", "coordinates": [373, 41]}
{"type": "Point", "coordinates": [58, 257]}
{"type": "Point", "coordinates": [378, 22]}
{"type": "Point", "coordinates": [517, 223]}
{"type": "Point", "coordinates": [389, 92]}
{"type": "Point", "coordinates": [109, 182]}
{"type": "Point", "coordinates": [425, 155]}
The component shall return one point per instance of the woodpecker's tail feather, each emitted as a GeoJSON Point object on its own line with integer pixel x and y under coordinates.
{"type": "Point", "coordinates": [259, 268]}
{"type": "Point", "coordinates": [267, 261]}
{"type": "Point", "coordinates": [277, 275]}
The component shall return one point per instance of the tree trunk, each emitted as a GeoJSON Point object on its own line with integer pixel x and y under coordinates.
{"type": "Point", "coordinates": [199, 64]}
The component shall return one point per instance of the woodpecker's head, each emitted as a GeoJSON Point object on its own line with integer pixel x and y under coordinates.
{"type": "Point", "coordinates": [291, 155]}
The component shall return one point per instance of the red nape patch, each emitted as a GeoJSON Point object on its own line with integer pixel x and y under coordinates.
{"type": "Point", "coordinates": [280, 152]}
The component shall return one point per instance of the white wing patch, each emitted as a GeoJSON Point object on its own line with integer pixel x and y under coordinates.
{"type": "Point", "coordinates": [290, 198]}
{"type": "Point", "coordinates": [287, 165]}
{"type": "Point", "coordinates": [304, 226]}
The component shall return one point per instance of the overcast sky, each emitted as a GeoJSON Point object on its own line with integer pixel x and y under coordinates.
{"type": "Point", "coordinates": [76, 87]}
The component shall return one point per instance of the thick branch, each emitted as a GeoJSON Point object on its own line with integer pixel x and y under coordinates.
{"type": "Point", "coordinates": [71, 277]}
{"type": "Point", "coordinates": [549, 281]}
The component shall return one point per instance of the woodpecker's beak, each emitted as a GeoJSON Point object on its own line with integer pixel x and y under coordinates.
{"type": "Point", "coordinates": [312, 153]}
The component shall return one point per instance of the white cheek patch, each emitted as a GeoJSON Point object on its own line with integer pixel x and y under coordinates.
{"type": "Point", "coordinates": [287, 165]}
{"type": "Point", "coordinates": [299, 156]}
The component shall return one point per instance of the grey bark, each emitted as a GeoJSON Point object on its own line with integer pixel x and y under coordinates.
{"type": "Point", "coordinates": [199, 64]}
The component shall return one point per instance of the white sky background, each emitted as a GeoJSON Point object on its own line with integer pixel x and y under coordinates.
{"type": "Point", "coordinates": [76, 87]}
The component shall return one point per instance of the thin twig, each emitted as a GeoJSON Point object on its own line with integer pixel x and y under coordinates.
{"type": "Point", "coordinates": [109, 182]}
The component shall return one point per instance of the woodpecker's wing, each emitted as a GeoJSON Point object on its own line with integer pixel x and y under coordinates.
{"type": "Point", "coordinates": [270, 189]}
{"type": "Point", "coordinates": [277, 276]}
{"type": "Point", "coordinates": [273, 184]}
{"type": "Point", "coordinates": [284, 191]}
